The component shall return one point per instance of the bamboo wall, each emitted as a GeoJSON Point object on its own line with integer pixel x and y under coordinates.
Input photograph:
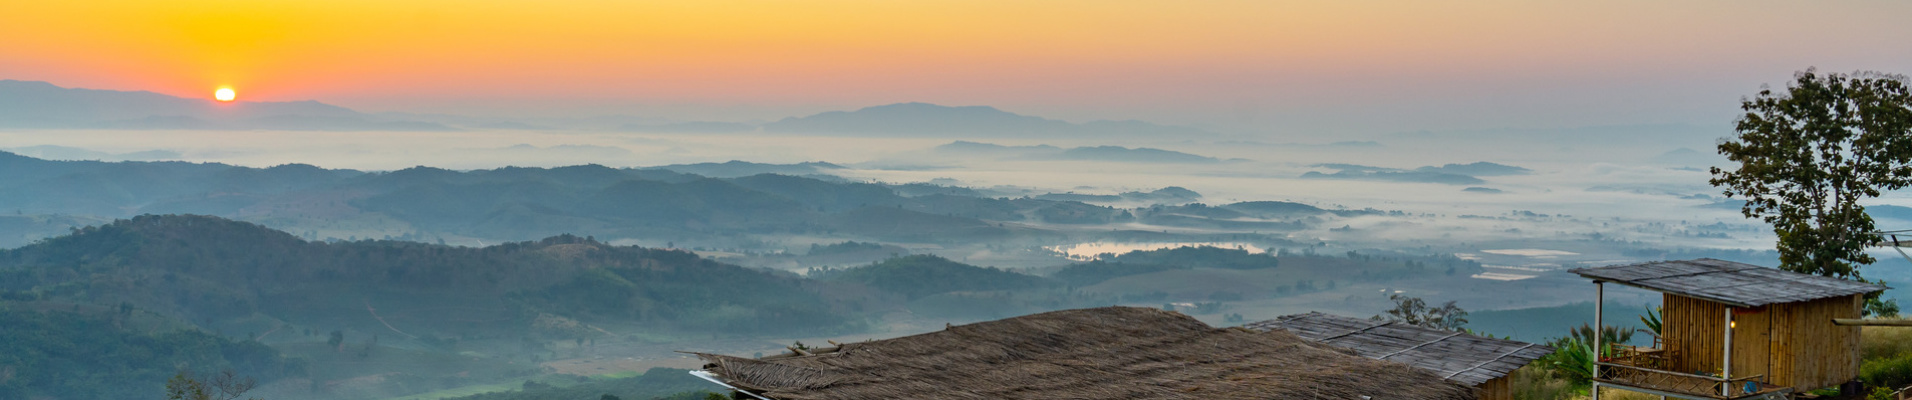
{"type": "Point", "coordinates": [1693, 328]}
{"type": "Point", "coordinates": [1809, 351]}
{"type": "Point", "coordinates": [1792, 344]}
{"type": "Point", "coordinates": [1497, 389]}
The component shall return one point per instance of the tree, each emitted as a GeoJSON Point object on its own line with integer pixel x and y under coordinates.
{"type": "Point", "coordinates": [1414, 311]}
{"type": "Point", "coordinates": [336, 340]}
{"type": "Point", "coordinates": [1808, 155]}
{"type": "Point", "coordinates": [224, 386]}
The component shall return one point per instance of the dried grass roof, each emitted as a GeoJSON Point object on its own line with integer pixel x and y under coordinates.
{"type": "Point", "coordinates": [1098, 353]}
{"type": "Point", "coordinates": [1461, 357]}
{"type": "Point", "coordinates": [1732, 283]}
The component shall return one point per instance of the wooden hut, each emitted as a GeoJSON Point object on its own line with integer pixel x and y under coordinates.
{"type": "Point", "coordinates": [1732, 330]}
{"type": "Point", "coordinates": [1098, 353]}
{"type": "Point", "coordinates": [1480, 362]}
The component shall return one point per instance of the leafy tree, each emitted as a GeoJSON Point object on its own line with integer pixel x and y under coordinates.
{"type": "Point", "coordinates": [1808, 155]}
{"type": "Point", "coordinates": [1414, 311]}
{"type": "Point", "coordinates": [222, 386]}
{"type": "Point", "coordinates": [337, 339]}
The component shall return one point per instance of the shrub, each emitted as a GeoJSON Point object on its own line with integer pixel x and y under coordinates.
{"type": "Point", "coordinates": [1893, 372]}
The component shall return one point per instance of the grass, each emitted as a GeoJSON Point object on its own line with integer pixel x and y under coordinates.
{"type": "Point", "coordinates": [1879, 342]}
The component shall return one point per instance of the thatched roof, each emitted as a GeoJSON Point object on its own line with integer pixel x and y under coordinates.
{"type": "Point", "coordinates": [1735, 284]}
{"type": "Point", "coordinates": [1464, 358]}
{"type": "Point", "coordinates": [1099, 353]}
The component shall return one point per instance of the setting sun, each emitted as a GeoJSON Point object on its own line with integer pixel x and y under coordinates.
{"type": "Point", "coordinates": [224, 94]}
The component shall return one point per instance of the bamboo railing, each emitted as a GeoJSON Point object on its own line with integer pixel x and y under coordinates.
{"type": "Point", "coordinates": [1647, 369]}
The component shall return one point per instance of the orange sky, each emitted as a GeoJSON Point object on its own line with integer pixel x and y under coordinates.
{"type": "Point", "coordinates": [1246, 63]}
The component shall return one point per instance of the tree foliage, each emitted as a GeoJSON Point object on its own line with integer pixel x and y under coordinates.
{"type": "Point", "coordinates": [1414, 311]}
{"type": "Point", "coordinates": [1808, 155]}
{"type": "Point", "coordinates": [919, 276]}
{"type": "Point", "coordinates": [87, 356]}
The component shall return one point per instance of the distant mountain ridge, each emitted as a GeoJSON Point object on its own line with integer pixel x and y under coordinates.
{"type": "Point", "coordinates": [1084, 153]}
{"type": "Point", "coordinates": [1451, 174]}
{"type": "Point", "coordinates": [931, 120]}
{"type": "Point", "coordinates": [42, 105]}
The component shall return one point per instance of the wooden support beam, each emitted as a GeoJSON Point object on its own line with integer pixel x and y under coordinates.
{"type": "Point", "coordinates": [1871, 322]}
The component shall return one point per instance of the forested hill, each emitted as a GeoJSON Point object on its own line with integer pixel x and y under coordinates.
{"type": "Point", "coordinates": [924, 275]}
{"type": "Point", "coordinates": [509, 204]}
{"type": "Point", "coordinates": [227, 275]}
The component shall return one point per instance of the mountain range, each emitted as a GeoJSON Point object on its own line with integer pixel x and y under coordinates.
{"type": "Point", "coordinates": [42, 105]}
{"type": "Point", "coordinates": [28, 104]}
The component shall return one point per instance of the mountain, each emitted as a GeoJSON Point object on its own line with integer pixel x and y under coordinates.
{"type": "Point", "coordinates": [32, 104]}
{"type": "Point", "coordinates": [199, 268]}
{"type": "Point", "coordinates": [734, 168]}
{"type": "Point", "coordinates": [967, 148]}
{"type": "Point", "coordinates": [1086, 153]}
{"type": "Point", "coordinates": [50, 152]}
{"type": "Point", "coordinates": [1419, 175]}
{"type": "Point", "coordinates": [515, 204]}
{"type": "Point", "coordinates": [1135, 155]}
{"type": "Point", "coordinates": [1481, 168]}
{"type": "Point", "coordinates": [930, 120]}
{"type": "Point", "coordinates": [918, 276]}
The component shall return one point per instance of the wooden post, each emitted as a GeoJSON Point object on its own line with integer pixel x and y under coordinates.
{"type": "Point", "coordinates": [1599, 314]}
{"type": "Point", "coordinates": [1726, 370]}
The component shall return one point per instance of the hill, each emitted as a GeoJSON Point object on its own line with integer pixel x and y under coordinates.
{"type": "Point", "coordinates": [515, 204]}
{"type": "Point", "coordinates": [216, 272]}
{"type": "Point", "coordinates": [919, 276]}
{"type": "Point", "coordinates": [94, 353]}
{"type": "Point", "coordinates": [31, 104]}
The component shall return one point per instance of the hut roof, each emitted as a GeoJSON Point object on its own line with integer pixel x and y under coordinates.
{"type": "Point", "coordinates": [1464, 358]}
{"type": "Point", "coordinates": [1736, 284]}
{"type": "Point", "coordinates": [1098, 353]}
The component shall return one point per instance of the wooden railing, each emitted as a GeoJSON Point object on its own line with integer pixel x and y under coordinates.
{"type": "Point", "coordinates": [1649, 368]}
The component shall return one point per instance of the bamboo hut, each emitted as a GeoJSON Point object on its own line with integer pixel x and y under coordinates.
{"type": "Point", "coordinates": [1480, 362]}
{"type": "Point", "coordinates": [1732, 330]}
{"type": "Point", "coordinates": [1099, 353]}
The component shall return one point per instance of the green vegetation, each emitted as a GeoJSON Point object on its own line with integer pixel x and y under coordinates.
{"type": "Point", "coordinates": [918, 276]}
{"type": "Point", "coordinates": [1414, 311]}
{"type": "Point", "coordinates": [1093, 272]}
{"type": "Point", "coordinates": [207, 269]}
{"type": "Point", "coordinates": [1809, 155]}
{"type": "Point", "coordinates": [61, 353]}
{"type": "Point", "coordinates": [1886, 354]}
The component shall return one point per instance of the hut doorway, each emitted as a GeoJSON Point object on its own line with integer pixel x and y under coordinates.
{"type": "Point", "coordinates": [1752, 342]}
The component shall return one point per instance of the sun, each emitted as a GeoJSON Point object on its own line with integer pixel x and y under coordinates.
{"type": "Point", "coordinates": [224, 94]}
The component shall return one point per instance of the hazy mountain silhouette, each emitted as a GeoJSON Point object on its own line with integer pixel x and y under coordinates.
{"type": "Point", "coordinates": [32, 104]}
{"type": "Point", "coordinates": [1085, 153]}
{"type": "Point", "coordinates": [1481, 168]}
{"type": "Point", "coordinates": [923, 119]}
{"type": "Point", "coordinates": [1452, 174]}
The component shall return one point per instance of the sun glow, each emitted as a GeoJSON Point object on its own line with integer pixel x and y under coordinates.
{"type": "Point", "coordinates": [224, 94]}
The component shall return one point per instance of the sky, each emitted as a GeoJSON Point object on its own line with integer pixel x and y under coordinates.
{"type": "Point", "coordinates": [1253, 66]}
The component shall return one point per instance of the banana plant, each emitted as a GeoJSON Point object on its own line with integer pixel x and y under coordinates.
{"type": "Point", "coordinates": [1652, 320]}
